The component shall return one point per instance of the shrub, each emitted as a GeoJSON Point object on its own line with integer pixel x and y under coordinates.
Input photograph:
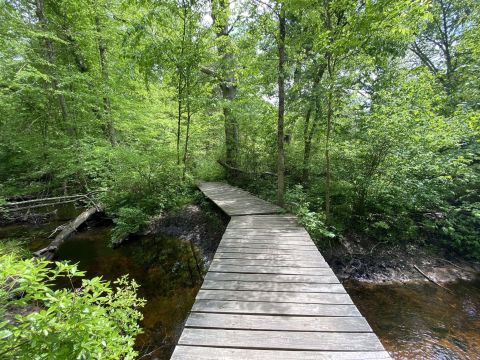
{"type": "Point", "coordinates": [45, 321]}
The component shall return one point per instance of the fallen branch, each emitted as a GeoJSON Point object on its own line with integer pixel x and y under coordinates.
{"type": "Point", "coordinates": [41, 205]}
{"type": "Point", "coordinates": [231, 168]}
{"type": "Point", "coordinates": [431, 280]}
{"type": "Point", "coordinates": [43, 200]}
{"type": "Point", "coordinates": [50, 251]}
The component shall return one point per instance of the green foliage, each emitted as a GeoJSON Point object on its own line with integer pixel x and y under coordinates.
{"type": "Point", "coordinates": [128, 221]}
{"type": "Point", "coordinates": [382, 108]}
{"type": "Point", "coordinates": [94, 320]}
{"type": "Point", "coordinates": [314, 221]}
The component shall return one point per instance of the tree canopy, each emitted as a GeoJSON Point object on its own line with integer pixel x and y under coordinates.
{"type": "Point", "coordinates": [366, 112]}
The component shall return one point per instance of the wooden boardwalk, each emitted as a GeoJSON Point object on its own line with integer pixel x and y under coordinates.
{"type": "Point", "coordinates": [269, 294]}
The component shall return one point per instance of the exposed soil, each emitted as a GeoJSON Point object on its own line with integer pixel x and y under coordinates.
{"type": "Point", "coordinates": [204, 227]}
{"type": "Point", "coordinates": [397, 264]}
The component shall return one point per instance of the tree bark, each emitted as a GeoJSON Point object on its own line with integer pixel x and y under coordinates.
{"type": "Point", "coordinates": [281, 108]}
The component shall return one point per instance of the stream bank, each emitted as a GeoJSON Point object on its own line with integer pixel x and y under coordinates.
{"type": "Point", "coordinates": [394, 264]}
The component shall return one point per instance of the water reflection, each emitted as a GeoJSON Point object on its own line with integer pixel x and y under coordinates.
{"type": "Point", "coordinates": [423, 321]}
{"type": "Point", "coordinates": [164, 266]}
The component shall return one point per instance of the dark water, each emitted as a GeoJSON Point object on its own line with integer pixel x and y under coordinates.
{"type": "Point", "coordinates": [423, 321]}
{"type": "Point", "coordinates": [163, 266]}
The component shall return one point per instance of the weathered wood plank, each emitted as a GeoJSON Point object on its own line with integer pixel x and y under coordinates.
{"type": "Point", "coordinates": [267, 243]}
{"type": "Point", "coordinates": [259, 269]}
{"type": "Point", "coordinates": [272, 231]}
{"type": "Point", "coordinates": [271, 322]}
{"type": "Point", "coordinates": [272, 250]}
{"type": "Point", "coordinates": [274, 308]}
{"type": "Point", "coordinates": [302, 244]}
{"type": "Point", "coordinates": [312, 279]}
{"type": "Point", "coordinates": [275, 296]}
{"type": "Point", "coordinates": [220, 353]}
{"type": "Point", "coordinates": [282, 340]}
{"type": "Point", "coordinates": [318, 263]}
{"type": "Point", "coordinates": [268, 237]}
{"type": "Point", "coordinates": [272, 286]}
{"type": "Point", "coordinates": [293, 256]}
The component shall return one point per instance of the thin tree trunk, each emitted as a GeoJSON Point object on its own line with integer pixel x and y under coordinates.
{"type": "Point", "coordinates": [281, 109]}
{"type": "Point", "coordinates": [309, 131]}
{"type": "Point", "coordinates": [328, 174]}
{"type": "Point", "coordinates": [307, 145]}
{"type": "Point", "coordinates": [102, 50]}
{"type": "Point", "coordinates": [189, 117]}
{"type": "Point", "coordinates": [179, 116]}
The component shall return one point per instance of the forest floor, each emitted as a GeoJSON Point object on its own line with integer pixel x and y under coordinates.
{"type": "Point", "coordinates": [397, 263]}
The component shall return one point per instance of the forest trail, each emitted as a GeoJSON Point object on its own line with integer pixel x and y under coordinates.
{"type": "Point", "coordinates": [269, 294]}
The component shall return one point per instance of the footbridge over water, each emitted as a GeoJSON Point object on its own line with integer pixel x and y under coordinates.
{"type": "Point", "coordinates": [269, 294]}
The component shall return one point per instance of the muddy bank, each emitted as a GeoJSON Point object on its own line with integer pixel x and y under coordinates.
{"type": "Point", "coordinates": [389, 264]}
{"type": "Point", "coordinates": [201, 225]}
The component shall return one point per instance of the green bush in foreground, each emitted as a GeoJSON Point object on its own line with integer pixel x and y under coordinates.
{"type": "Point", "coordinates": [39, 320]}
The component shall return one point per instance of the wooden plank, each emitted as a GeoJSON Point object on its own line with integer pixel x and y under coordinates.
{"type": "Point", "coordinates": [262, 243]}
{"type": "Point", "coordinates": [284, 232]}
{"type": "Point", "coordinates": [221, 353]}
{"type": "Point", "coordinates": [272, 286]}
{"type": "Point", "coordinates": [274, 308]}
{"type": "Point", "coordinates": [317, 263]}
{"type": "Point", "coordinates": [312, 279]}
{"type": "Point", "coordinates": [275, 296]}
{"type": "Point", "coordinates": [273, 250]}
{"type": "Point", "coordinates": [294, 256]}
{"type": "Point", "coordinates": [259, 269]}
{"type": "Point", "coordinates": [286, 323]}
{"type": "Point", "coordinates": [269, 237]}
{"type": "Point", "coordinates": [268, 241]}
{"type": "Point", "coordinates": [326, 341]}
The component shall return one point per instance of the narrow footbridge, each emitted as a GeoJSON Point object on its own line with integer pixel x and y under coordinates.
{"type": "Point", "coordinates": [269, 294]}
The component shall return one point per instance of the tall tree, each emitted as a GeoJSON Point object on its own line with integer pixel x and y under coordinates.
{"type": "Point", "coordinates": [281, 106]}
{"type": "Point", "coordinates": [437, 46]}
{"type": "Point", "coordinates": [226, 76]}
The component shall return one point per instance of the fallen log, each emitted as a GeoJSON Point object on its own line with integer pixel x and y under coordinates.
{"type": "Point", "coordinates": [50, 251]}
{"type": "Point", "coordinates": [231, 168]}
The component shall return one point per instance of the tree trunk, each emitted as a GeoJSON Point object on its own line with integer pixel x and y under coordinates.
{"type": "Point", "coordinates": [281, 109]}
{"type": "Point", "coordinates": [328, 169]}
{"type": "Point", "coordinates": [307, 146]}
{"type": "Point", "coordinates": [309, 130]}
{"type": "Point", "coordinates": [189, 117]}
{"type": "Point", "coordinates": [102, 50]}
{"type": "Point", "coordinates": [228, 82]}
{"type": "Point", "coordinates": [179, 115]}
